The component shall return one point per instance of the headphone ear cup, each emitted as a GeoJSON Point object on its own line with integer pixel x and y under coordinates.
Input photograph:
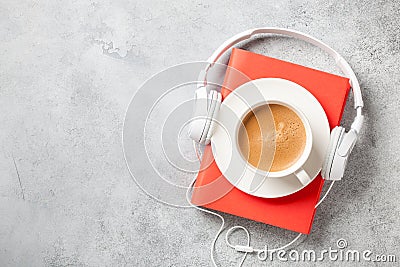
{"type": "Point", "coordinates": [205, 109]}
{"type": "Point", "coordinates": [208, 117]}
{"type": "Point", "coordinates": [214, 99]}
{"type": "Point", "coordinates": [336, 136]}
{"type": "Point", "coordinates": [213, 118]}
{"type": "Point", "coordinates": [200, 113]}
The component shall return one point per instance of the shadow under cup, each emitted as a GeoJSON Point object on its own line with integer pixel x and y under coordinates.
{"type": "Point", "coordinates": [275, 139]}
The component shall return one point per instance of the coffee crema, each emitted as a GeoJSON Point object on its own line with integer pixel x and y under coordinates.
{"type": "Point", "coordinates": [272, 141]}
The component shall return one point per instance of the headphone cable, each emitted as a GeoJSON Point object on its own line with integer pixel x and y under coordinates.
{"type": "Point", "coordinates": [246, 249]}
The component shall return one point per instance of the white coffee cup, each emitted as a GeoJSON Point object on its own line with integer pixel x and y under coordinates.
{"type": "Point", "coordinates": [296, 168]}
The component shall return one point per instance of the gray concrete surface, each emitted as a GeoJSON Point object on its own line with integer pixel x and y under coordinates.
{"type": "Point", "coordinates": [67, 72]}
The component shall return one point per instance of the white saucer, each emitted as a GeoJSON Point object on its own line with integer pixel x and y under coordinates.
{"type": "Point", "coordinates": [235, 106]}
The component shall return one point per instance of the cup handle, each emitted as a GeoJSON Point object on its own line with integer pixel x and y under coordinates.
{"type": "Point", "coordinates": [303, 176]}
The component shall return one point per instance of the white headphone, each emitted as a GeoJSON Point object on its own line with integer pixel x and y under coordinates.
{"type": "Point", "coordinates": [341, 142]}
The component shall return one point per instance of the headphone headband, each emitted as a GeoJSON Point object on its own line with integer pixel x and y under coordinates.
{"type": "Point", "coordinates": [341, 143]}
{"type": "Point", "coordinates": [340, 61]}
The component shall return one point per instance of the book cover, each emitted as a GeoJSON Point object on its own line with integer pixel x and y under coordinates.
{"type": "Point", "coordinates": [294, 212]}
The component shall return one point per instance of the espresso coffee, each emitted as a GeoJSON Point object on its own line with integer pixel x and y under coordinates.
{"type": "Point", "coordinates": [272, 141]}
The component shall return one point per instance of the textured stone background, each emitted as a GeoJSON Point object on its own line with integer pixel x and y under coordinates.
{"type": "Point", "coordinates": [67, 72]}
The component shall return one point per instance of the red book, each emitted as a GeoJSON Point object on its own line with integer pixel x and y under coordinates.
{"type": "Point", "coordinates": [294, 212]}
